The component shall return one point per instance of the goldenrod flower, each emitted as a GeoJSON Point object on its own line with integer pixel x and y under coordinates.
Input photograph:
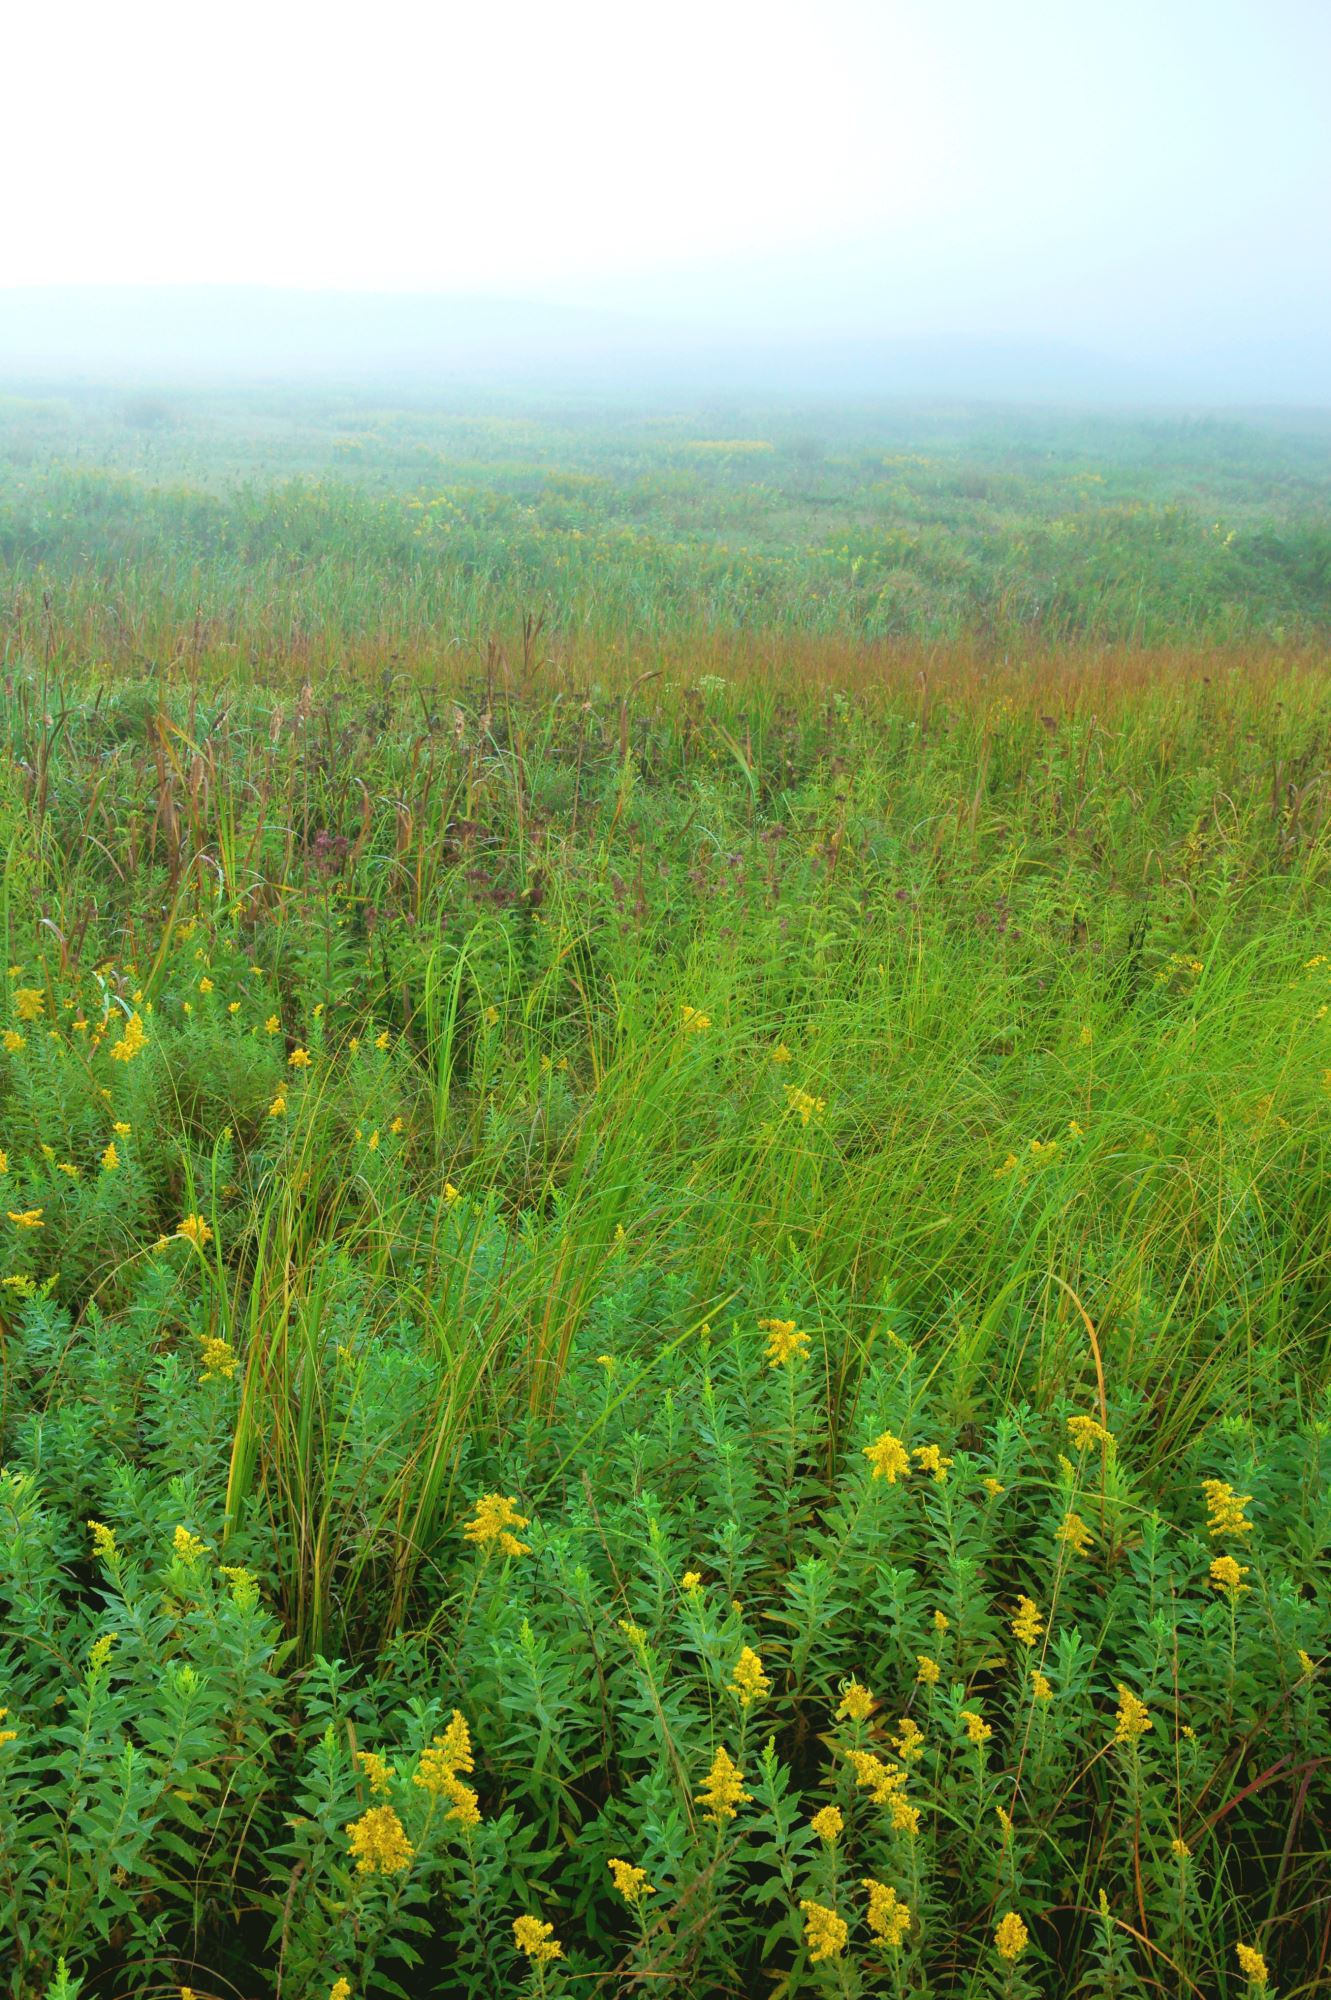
{"type": "Point", "coordinates": [451, 1194]}
{"type": "Point", "coordinates": [299, 1059]}
{"type": "Point", "coordinates": [7, 1735]}
{"type": "Point", "coordinates": [977, 1729]}
{"type": "Point", "coordinates": [244, 1585]}
{"type": "Point", "coordinates": [930, 1459]}
{"type": "Point", "coordinates": [13, 1040]}
{"type": "Point", "coordinates": [994, 1487]}
{"type": "Point", "coordinates": [26, 1218]}
{"type": "Point", "coordinates": [909, 1740]}
{"type": "Point", "coordinates": [536, 1940]}
{"type": "Point", "coordinates": [748, 1682]}
{"type": "Point", "coordinates": [205, 985]}
{"type": "Point", "coordinates": [121, 1129]}
{"type": "Point", "coordinates": [784, 1342]}
{"type": "Point", "coordinates": [383, 1041]}
{"type": "Point", "coordinates": [340, 1990]}
{"type": "Point", "coordinates": [379, 1842]}
{"type": "Point", "coordinates": [630, 1882]}
{"type": "Point", "coordinates": [1028, 1624]}
{"type": "Point", "coordinates": [195, 1230]}
{"type": "Point", "coordinates": [825, 1933]}
{"type": "Point", "coordinates": [691, 1581]}
{"type": "Point", "coordinates": [1074, 1531]}
{"type": "Point", "coordinates": [723, 1789]}
{"type": "Point", "coordinates": [803, 1103]}
{"type": "Point", "coordinates": [1224, 1508]}
{"type": "Point", "coordinates": [1085, 1432]}
{"type": "Point", "coordinates": [828, 1825]}
{"type": "Point", "coordinates": [1011, 1937]}
{"type": "Point", "coordinates": [29, 1004]}
{"type": "Point", "coordinates": [110, 1158]}
{"type": "Point", "coordinates": [941, 1621]}
{"type": "Point", "coordinates": [928, 1671]}
{"type": "Point", "coordinates": [1228, 1575]}
{"type": "Point", "coordinates": [103, 1541]}
{"type": "Point", "coordinates": [781, 1054]}
{"type": "Point", "coordinates": [271, 1025]}
{"type": "Point", "coordinates": [376, 1770]}
{"type": "Point", "coordinates": [884, 1782]}
{"type": "Point", "coordinates": [4, 1162]}
{"type": "Point", "coordinates": [187, 1548]}
{"type": "Point", "coordinates": [1179, 1847]}
{"type": "Point", "coordinates": [857, 1704]}
{"type": "Point", "coordinates": [887, 1456]}
{"type": "Point", "coordinates": [218, 1358]}
{"type": "Point", "coordinates": [1041, 1688]}
{"type": "Point", "coordinates": [692, 1021]}
{"type": "Point", "coordinates": [277, 1109]}
{"type": "Point", "coordinates": [1306, 1660]}
{"type": "Point", "coordinates": [100, 1651]}
{"type": "Point", "coordinates": [493, 1521]}
{"type": "Point", "coordinates": [1251, 1964]}
{"type": "Point", "coordinates": [132, 1039]}
{"type": "Point", "coordinates": [1131, 1719]}
{"type": "Point", "coordinates": [888, 1916]}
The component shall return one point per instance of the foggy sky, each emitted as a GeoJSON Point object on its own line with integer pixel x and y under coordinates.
{"type": "Point", "coordinates": [1138, 186]}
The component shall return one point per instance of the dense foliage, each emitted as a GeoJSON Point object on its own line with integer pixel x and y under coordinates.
{"type": "Point", "coordinates": [723, 1276]}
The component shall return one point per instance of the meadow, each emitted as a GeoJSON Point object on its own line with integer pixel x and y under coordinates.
{"type": "Point", "coordinates": [664, 1124]}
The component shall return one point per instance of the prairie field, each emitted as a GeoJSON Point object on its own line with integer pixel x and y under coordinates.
{"type": "Point", "coordinates": [665, 1119]}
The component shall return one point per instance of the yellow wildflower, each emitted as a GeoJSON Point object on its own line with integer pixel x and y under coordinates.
{"type": "Point", "coordinates": [186, 1547]}
{"type": "Point", "coordinates": [132, 1039]}
{"type": "Point", "coordinates": [781, 1054]}
{"type": "Point", "coordinates": [376, 1770]}
{"type": "Point", "coordinates": [13, 1040]}
{"type": "Point", "coordinates": [121, 1129]}
{"type": "Point", "coordinates": [888, 1916]}
{"type": "Point", "coordinates": [909, 1740]}
{"type": "Point", "coordinates": [748, 1682]}
{"type": "Point", "coordinates": [100, 1651]}
{"type": "Point", "coordinates": [692, 1021]}
{"type": "Point", "coordinates": [299, 1059]}
{"type": "Point", "coordinates": [1228, 1575]}
{"type": "Point", "coordinates": [630, 1882]}
{"type": "Point", "coordinates": [110, 1158]}
{"type": "Point", "coordinates": [723, 1789]}
{"type": "Point", "coordinates": [928, 1671]}
{"type": "Point", "coordinates": [784, 1341]}
{"type": "Point", "coordinates": [1074, 1531]}
{"type": "Point", "coordinates": [803, 1103]}
{"type": "Point", "coordinates": [1041, 1688]}
{"type": "Point", "coordinates": [103, 1541]}
{"type": "Point", "coordinates": [1028, 1624]}
{"type": "Point", "coordinates": [26, 1218]}
{"type": "Point", "coordinates": [930, 1459]}
{"type": "Point", "coordinates": [277, 1109]}
{"type": "Point", "coordinates": [994, 1487]}
{"type": "Point", "coordinates": [397, 1126]}
{"type": "Point", "coordinates": [977, 1729]}
{"type": "Point", "coordinates": [451, 1194]}
{"type": "Point", "coordinates": [1224, 1508]}
{"type": "Point", "coordinates": [1306, 1661]}
{"type": "Point", "coordinates": [205, 985]}
{"type": "Point", "coordinates": [195, 1230]}
{"type": "Point", "coordinates": [383, 1041]}
{"type": "Point", "coordinates": [218, 1358]}
{"type": "Point", "coordinates": [1011, 1937]}
{"type": "Point", "coordinates": [857, 1704]}
{"type": "Point", "coordinates": [244, 1585]}
{"type": "Point", "coordinates": [887, 1455]}
{"type": "Point", "coordinates": [825, 1933]}
{"type": "Point", "coordinates": [24, 1286]}
{"type": "Point", "coordinates": [941, 1621]}
{"type": "Point", "coordinates": [495, 1517]}
{"type": "Point", "coordinates": [29, 1004]}
{"type": "Point", "coordinates": [1179, 1847]}
{"type": "Point", "coordinates": [536, 1940]}
{"type": "Point", "coordinates": [1251, 1964]}
{"type": "Point", "coordinates": [233, 1006]}
{"type": "Point", "coordinates": [271, 1025]}
{"type": "Point", "coordinates": [4, 1162]}
{"type": "Point", "coordinates": [1131, 1719]}
{"type": "Point", "coordinates": [1085, 1432]}
{"type": "Point", "coordinates": [691, 1581]}
{"type": "Point", "coordinates": [379, 1842]}
{"type": "Point", "coordinates": [881, 1780]}
{"type": "Point", "coordinates": [340, 1990]}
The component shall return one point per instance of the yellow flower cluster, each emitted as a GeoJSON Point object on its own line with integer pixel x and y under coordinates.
{"type": "Point", "coordinates": [785, 1343]}
{"type": "Point", "coordinates": [748, 1682]}
{"type": "Point", "coordinates": [536, 1940]}
{"type": "Point", "coordinates": [829, 1825]}
{"type": "Point", "coordinates": [803, 1103]}
{"type": "Point", "coordinates": [379, 1842]}
{"type": "Point", "coordinates": [1011, 1937]}
{"type": "Point", "coordinates": [437, 1772]}
{"type": "Point", "coordinates": [887, 1456]}
{"type": "Point", "coordinates": [825, 1933]}
{"type": "Point", "coordinates": [723, 1789]}
{"type": "Point", "coordinates": [1131, 1719]}
{"type": "Point", "coordinates": [630, 1882]}
{"type": "Point", "coordinates": [1086, 1432]}
{"type": "Point", "coordinates": [856, 1705]}
{"type": "Point", "coordinates": [1225, 1508]}
{"type": "Point", "coordinates": [219, 1358]}
{"type": "Point", "coordinates": [888, 1916]}
{"type": "Point", "coordinates": [1028, 1624]}
{"type": "Point", "coordinates": [495, 1517]}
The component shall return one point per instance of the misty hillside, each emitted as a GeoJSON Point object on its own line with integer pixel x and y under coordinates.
{"type": "Point", "coordinates": [209, 333]}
